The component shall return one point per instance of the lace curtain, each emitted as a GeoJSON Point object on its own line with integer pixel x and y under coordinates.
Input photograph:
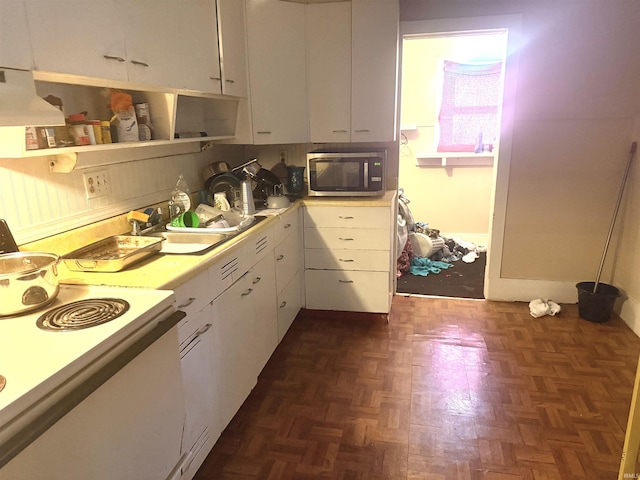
{"type": "Point", "coordinates": [469, 111]}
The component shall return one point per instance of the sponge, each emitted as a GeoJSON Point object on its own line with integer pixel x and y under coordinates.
{"type": "Point", "coordinates": [139, 216]}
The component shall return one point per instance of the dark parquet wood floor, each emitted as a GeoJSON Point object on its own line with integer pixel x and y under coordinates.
{"type": "Point", "coordinates": [448, 389]}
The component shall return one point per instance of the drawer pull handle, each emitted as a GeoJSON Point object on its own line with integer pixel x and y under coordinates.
{"type": "Point", "coordinates": [347, 239]}
{"type": "Point", "coordinates": [288, 225]}
{"type": "Point", "coordinates": [257, 280]}
{"type": "Point", "coordinates": [346, 259]}
{"type": "Point", "coordinates": [247, 292]}
{"type": "Point", "coordinates": [230, 81]}
{"type": "Point", "coordinates": [338, 131]}
{"type": "Point", "coordinates": [363, 130]}
{"type": "Point", "coordinates": [139, 63]}
{"type": "Point", "coordinates": [215, 78]}
{"type": "Point", "coordinates": [283, 304]}
{"type": "Point", "coordinates": [345, 218]}
{"type": "Point", "coordinates": [345, 281]}
{"type": "Point", "coordinates": [263, 132]}
{"type": "Point", "coordinates": [113, 57]}
{"type": "Point", "coordinates": [187, 303]}
{"type": "Point", "coordinates": [280, 257]}
{"type": "Point", "coordinates": [204, 329]}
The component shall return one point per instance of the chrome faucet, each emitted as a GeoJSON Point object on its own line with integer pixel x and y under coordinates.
{"type": "Point", "coordinates": [153, 223]}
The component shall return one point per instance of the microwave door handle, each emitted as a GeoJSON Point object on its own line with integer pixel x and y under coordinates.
{"type": "Point", "coordinates": [366, 176]}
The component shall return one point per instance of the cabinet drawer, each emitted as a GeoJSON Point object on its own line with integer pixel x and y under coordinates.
{"type": "Point", "coordinates": [288, 225]}
{"type": "Point", "coordinates": [341, 259]}
{"type": "Point", "coordinates": [287, 257]}
{"type": "Point", "coordinates": [289, 304]}
{"type": "Point", "coordinates": [253, 250]}
{"type": "Point", "coordinates": [347, 238]}
{"type": "Point", "coordinates": [192, 295]}
{"type": "Point", "coordinates": [351, 217]}
{"type": "Point", "coordinates": [346, 290]}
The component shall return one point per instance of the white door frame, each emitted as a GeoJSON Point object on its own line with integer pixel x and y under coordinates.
{"type": "Point", "coordinates": [512, 24]}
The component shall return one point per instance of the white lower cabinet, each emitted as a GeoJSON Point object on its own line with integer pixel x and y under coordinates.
{"type": "Point", "coordinates": [289, 304]}
{"type": "Point", "coordinates": [201, 427]}
{"type": "Point", "coordinates": [246, 335]}
{"type": "Point", "coordinates": [288, 260]}
{"type": "Point", "coordinates": [351, 291]}
{"type": "Point", "coordinates": [348, 257]}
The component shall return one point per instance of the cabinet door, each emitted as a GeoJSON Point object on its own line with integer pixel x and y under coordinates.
{"type": "Point", "coordinates": [201, 429]}
{"type": "Point", "coordinates": [287, 257]}
{"type": "Point", "coordinates": [233, 47]}
{"type": "Point", "coordinates": [264, 333]}
{"type": "Point", "coordinates": [15, 45]}
{"type": "Point", "coordinates": [78, 37]}
{"type": "Point", "coordinates": [277, 75]}
{"type": "Point", "coordinates": [234, 358]}
{"type": "Point", "coordinates": [329, 71]}
{"type": "Point", "coordinates": [198, 42]}
{"type": "Point", "coordinates": [289, 304]}
{"type": "Point", "coordinates": [374, 70]}
{"type": "Point", "coordinates": [150, 33]}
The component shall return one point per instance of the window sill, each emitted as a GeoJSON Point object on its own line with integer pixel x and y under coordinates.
{"type": "Point", "coordinates": [453, 159]}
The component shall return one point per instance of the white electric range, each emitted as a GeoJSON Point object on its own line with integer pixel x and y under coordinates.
{"type": "Point", "coordinates": [41, 367]}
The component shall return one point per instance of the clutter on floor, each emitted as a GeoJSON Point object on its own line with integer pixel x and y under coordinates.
{"type": "Point", "coordinates": [540, 308]}
{"type": "Point", "coordinates": [422, 250]}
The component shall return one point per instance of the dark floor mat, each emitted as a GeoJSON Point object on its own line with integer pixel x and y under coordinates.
{"type": "Point", "coordinates": [464, 280]}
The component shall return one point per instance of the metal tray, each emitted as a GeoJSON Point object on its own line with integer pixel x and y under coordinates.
{"type": "Point", "coordinates": [112, 254]}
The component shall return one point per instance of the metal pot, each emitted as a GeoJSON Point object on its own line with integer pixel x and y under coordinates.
{"type": "Point", "coordinates": [28, 281]}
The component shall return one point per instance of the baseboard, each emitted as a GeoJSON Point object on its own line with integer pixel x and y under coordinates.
{"type": "Point", "coordinates": [517, 290]}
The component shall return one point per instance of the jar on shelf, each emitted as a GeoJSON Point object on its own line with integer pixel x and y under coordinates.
{"type": "Point", "coordinates": [80, 131]}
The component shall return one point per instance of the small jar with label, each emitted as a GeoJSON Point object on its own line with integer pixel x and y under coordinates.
{"type": "Point", "coordinates": [80, 130]}
{"type": "Point", "coordinates": [145, 129]}
{"type": "Point", "coordinates": [105, 126]}
{"type": "Point", "coordinates": [97, 130]}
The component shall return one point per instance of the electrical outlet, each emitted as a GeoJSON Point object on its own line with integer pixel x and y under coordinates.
{"type": "Point", "coordinates": [97, 183]}
{"type": "Point", "coordinates": [283, 156]}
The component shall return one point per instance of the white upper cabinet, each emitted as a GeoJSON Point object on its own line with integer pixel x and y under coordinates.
{"type": "Point", "coordinates": [352, 52]}
{"type": "Point", "coordinates": [233, 47]}
{"type": "Point", "coordinates": [198, 46]}
{"type": "Point", "coordinates": [374, 41]}
{"type": "Point", "coordinates": [170, 43]}
{"type": "Point", "coordinates": [329, 67]}
{"type": "Point", "coordinates": [151, 36]}
{"type": "Point", "coordinates": [277, 74]}
{"type": "Point", "coordinates": [78, 37]}
{"type": "Point", "coordinates": [15, 45]}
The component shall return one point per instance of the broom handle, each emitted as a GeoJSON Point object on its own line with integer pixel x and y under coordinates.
{"type": "Point", "coordinates": [632, 153]}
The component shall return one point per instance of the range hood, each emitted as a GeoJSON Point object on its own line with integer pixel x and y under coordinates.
{"type": "Point", "coordinates": [19, 103]}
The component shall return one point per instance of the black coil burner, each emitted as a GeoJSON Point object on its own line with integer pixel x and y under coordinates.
{"type": "Point", "coordinates": [82, 314]}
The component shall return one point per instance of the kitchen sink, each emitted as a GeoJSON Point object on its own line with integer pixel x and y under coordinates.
{"type": "Point", "coordinates": [189, 243]}
{"type": "Point", "coordinates": [194, 243]}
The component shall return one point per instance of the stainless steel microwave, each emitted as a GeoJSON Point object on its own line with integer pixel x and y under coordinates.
{"type": "Point", "coordinates": [346, 172]}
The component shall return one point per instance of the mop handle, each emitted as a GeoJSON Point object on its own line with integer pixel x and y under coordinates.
{"type": "Point", "coordinates": [632, 153]}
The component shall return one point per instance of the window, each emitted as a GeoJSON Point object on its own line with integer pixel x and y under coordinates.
{"type": "Point", "coordinates": [469, 109]}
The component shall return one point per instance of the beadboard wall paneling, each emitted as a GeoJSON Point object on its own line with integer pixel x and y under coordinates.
{"type": "Point", "coordinates": [37, 203]}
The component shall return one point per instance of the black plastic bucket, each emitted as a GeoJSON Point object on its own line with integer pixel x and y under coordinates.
{"type": "Point", "coordinates": [598, 306]}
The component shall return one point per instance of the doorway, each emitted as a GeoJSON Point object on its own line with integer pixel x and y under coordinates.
{"type": "Point", "coordinates": [447, 161]}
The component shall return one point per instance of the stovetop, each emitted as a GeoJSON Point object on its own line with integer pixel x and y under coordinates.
{"type": "Point", "coordinates": [35, 361]}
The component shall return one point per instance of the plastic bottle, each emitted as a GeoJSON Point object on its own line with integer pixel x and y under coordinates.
{"type": "Point", "coordinates": [180, 197]}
